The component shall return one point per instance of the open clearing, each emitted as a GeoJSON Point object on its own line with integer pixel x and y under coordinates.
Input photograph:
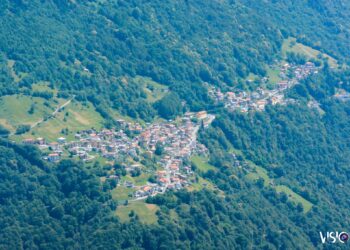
{"type": "Point", "coordinates": [273, 75]}
{"type": "Point", "coordinates": [74, 117]}
{"type": "Point", "coordinates": [294, 197]}
{"type": "Point", "coordinates": [140, 180]}
{"type": "Point", "coordinates": [201, 163]}
{"type": "Point", "coordinates": [201, 184]}
{"type": "Point", "coordinates": [145, 212]}
{"type": "Point", "coordinates": [14, 110]}
{"type": "Point", "coordinates": [122, 193]}
{"type": "Point", "coordinates": [260, 172]}
{"type": "Point", "coordinates": [153, 90]}
{"type": "Point", "coordinates": [290, 45]}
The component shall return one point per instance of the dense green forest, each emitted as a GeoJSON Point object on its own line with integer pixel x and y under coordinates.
{"type": "Point", "coordinates": [90, 48]}
{"type": "Point", "coordinates": [63, 207]}
{"type": "Point", "coordinates": [294, 179]}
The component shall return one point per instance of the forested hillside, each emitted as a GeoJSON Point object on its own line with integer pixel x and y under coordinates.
{"type": "Point", "coordinates": [270, 179]}
{"type": "Point", "coordinates": [98, 45]}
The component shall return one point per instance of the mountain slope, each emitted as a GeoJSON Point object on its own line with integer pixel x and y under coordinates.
{"type": "Point", "coordinates": [273, 179]}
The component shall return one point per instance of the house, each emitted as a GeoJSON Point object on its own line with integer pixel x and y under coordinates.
{"type": "Point", "coordinates": [54, 146]}
{"type": "Point", "coordinates": [114, 177]}
{"type": "Point", "coordinates": [274, 100]}
{"type": "Point", "coordinates": [162, 181]}
{"type": "Point", "coordinates": [161, 174]}
{"type": "Point", "coordinates": [261, 104]}
{"type": "Point", "coordinates": [53, 157]}
{"type": "Point", "coordinates": [230, 95]}
{"type": "Point", "coordinates": [147, 190]}
{"type": "Point", "coordinates": [40, 141]}
{"type": "Point", "coordinates": [61, 140]}
{"type": "Point", "coordinates": [82, 155]}
{"type": "Point", "coordinates": [202, 115]}
{"type": "Point", "coordinates": [129, 184]}
{"type": "Point", "coordinates": [282, 85]}
{"type": "Point", "coordinates": [28, 141]}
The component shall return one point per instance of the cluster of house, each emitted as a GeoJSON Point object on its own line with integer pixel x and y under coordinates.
{"type": "Point", "coordinates": [177, 176]}
{"type": "Point", "coordinates": [56, 148]}
{"type": "Point", "coordinates": [172, 141]}
{"type": "Point", "coordinates": [179, 142]}
{"type": "Point", "coordinates": [257, 100]}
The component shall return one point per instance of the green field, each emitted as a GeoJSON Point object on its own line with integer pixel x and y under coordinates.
{"type": "Point", "coordinates": [259, 172]}
{"type": "Point", "coordinates": [290, 45]}
{"type": "Point", "coordinates": [153, 90]}
{"type": "Point", "coordinates": [141, 180]}
{"type": "Point", "coordinates": [273, 75]}
{"type": "Point", "coordinates": [201, 163]}
{"type": "Point", "coordinates": [79, 118]}
{"type": "Point", "coordinates": [122, 193]}
{"type": "Point", "coordinates": [201, 184]}
{"type": "Point", "coordinates": [294, 197]}
{"type": "Point", "coordinates": [14, 110]}
{"type": "Point", "coordinates": [145, 212]}
{"type": "Point", "coordinates": [252, 77]}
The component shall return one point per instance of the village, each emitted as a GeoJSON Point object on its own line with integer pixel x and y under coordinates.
{"type": "Point", "coordinates": [257, 100]}
{"type": "Point", "coordinates": [173, 142]}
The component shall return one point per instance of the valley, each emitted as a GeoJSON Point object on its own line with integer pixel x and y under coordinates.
{"type": "Point", "coordinates": [146, 159]}
{"type": "Point", "coordinates": [166, 125]}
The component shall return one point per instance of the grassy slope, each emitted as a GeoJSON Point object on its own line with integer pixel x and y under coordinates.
{"type": "Point", "coordinates": [146, 212]}
{"type": "Point", "coordinates": [259, 172]}
{"type": "Point", "coordinates": [121, 193]}
{"type": "Point", "coordinates": [290, 45]}
{"type": "Point", "coordinates": [14, 110]}
{"type": "Point", "coordinates": [44, 86]}
{"type": "Point", "coordinates": [153, 90]}
{"type": "Point", "coordinates": [201, 163]}
{"type": "Point", "coordinates": [140, 180]}
{"type": "Point", "coordinates": [79, 118]}
{"type": "Point", "coordinates": [273, 75]}
{"type": "Point", "coordinates": [201, 184]}
{"type": "Point", "coordinates": [294, 197]}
